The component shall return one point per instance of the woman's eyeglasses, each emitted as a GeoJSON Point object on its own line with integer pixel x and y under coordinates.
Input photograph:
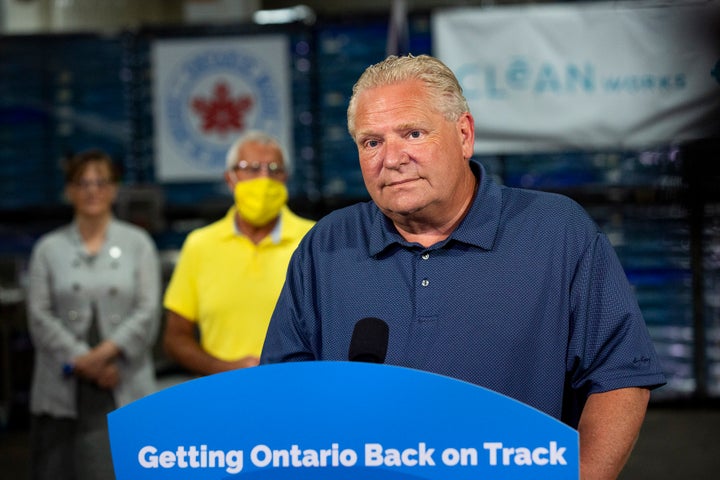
{"type": "Point", "coordinates": [87, 184]}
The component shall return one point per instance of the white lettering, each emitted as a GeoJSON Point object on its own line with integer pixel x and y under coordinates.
{"type": "Point", "coordinates": [180, 457]}
{"type": "Point", "coordinates": [392, 458]}
{"type": "Point", "coordinates": [556, 454]}
{"type": "Point", "coordinates": [465, 457]}
{"type": "Point", "coordinates": [257, 460]}
{"type": "Point", "coordinates": [540, 456]}
{"type": "Point", "coordinates": [408, 457]}
{"type": "Point", "coordinates": [191, 457]}
{"type": "Point", "coordinates": [263, 456]}
{"type": "Point", "coordinates": [506, 455]}
{"type": "Point", "coordinates": [523, 456]}
{"type": "Point", "coordinates": [450, 457]}
{"type": "Point", "coordinates": [348, 458]}
{"type": "Point", "coordinates": [373, 455]}
{"type": "Point", "coordinates": [492, 447]}
{"type": "Point", "coordinates": [234, 461]}
{"type": "Point", "coordinates": [167, 459]}
{"type": "Point", "coordinates": [376, 455]}
{"type": "Point", "coordinates": [144, 460]}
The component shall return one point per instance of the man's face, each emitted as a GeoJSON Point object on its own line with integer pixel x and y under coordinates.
{"type": "Point", "coordinates": [413, 159]}
{"type": "Point", "coordinates": [257, 160]}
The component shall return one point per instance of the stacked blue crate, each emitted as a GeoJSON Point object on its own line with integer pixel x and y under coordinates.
{"type": "Point", "coordinates": [344, 51]}
{"type": "Point", "coordinates": [26, 174]}
{"type": "Point", "coordinates": [25, 122]}
{"type": "Point", "coordinates": [711, 264]}
{"type": "Point", "coordinates": [137, 92]}
{"type": "Point", "coordinates": [635, 197]}
{"type": "Point", "coordinates": [552, 171]}
{"type": "Point", "coordinates": [87, 101]}
{"type": "Point", "coordinates": [653, 244]}
{"type": "Point", "coordinates": [305, 182]}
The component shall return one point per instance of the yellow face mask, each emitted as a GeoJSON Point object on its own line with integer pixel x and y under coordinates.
{"type": "Point", "coordinates": [258, 201]}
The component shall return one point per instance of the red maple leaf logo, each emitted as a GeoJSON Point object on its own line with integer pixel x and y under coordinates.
{"type": "Point", "coordinates": [222, 113]}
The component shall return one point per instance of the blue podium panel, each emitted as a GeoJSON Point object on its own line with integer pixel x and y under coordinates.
{"type": "Point", "coordinates": [337, 420]}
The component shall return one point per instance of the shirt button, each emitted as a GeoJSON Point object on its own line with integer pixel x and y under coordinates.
{"type": "Point", "coordinates": [425, 282]}
{"type": "Point", "coordinates": [425, 256]}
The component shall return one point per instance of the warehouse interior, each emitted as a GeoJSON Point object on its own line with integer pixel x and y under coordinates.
{"type": "Point", "coordinates": [76, 74]}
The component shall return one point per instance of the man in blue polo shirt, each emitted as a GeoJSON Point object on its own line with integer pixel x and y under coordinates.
{"type": "Point", "coordinates": [514, 290]}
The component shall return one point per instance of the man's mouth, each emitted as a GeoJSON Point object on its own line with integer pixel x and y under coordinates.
{"type": "Point", "coordinates": [404, 181]}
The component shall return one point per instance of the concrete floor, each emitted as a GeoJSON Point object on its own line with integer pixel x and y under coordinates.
{"type": "Point", "coordinates": [675, 443]}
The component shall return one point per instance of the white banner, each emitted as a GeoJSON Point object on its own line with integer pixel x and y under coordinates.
{"type": "Point", "coordinates": [207, 92]}
{"type": "Point", "coordinates": [600, 76]}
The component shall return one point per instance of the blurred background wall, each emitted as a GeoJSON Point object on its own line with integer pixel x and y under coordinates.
{"type": "Point", "coordinates": [76, 74]}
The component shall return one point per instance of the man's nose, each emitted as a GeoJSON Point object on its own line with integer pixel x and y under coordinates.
{"type": "Point", "coordinates": [395, 153]}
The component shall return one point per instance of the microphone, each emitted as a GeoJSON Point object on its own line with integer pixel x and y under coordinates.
{"type": "Point", "coordinates": [369, 341]}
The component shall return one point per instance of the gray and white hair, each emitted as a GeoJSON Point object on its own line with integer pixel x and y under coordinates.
{"type": "Point", "coordinates": [446, 94]}
{"type": "Point", "coordinates": [256, 136]}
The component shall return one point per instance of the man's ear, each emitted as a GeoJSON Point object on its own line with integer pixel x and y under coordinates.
{"type": "Point", "coordinates": [466, 128]}
{"type": "Point", "coordinates": [229, 177]}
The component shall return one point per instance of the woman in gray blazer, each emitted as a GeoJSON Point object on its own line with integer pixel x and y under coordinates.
{"type": "Point", "coordinates": [93, 312]}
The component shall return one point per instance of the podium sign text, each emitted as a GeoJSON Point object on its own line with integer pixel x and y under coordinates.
{"type": "Point", "coordinates": [337, 420]}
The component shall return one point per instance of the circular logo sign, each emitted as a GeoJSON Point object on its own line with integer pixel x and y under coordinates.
{"type": "Point", "coordinates": [215, 96]}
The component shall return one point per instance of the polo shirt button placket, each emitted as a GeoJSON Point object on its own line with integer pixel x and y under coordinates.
{"type": "Point", "coordinates": [425, 282]}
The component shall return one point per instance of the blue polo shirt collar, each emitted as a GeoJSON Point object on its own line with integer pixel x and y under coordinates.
{"type": "Point", "coordinates": [478, 228]}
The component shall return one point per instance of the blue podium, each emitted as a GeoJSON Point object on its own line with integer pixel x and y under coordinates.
{"type": "Point", "coordinates": [337, 420]}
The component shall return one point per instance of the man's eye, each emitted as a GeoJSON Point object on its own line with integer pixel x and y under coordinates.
{"type": "Point", "coordinates": [415, 134]}
{"type": "Point", "coordinates": [372, 143]}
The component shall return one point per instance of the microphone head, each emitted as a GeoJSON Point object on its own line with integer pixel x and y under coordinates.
{"type": "Point", "coordinates": [369, 341]}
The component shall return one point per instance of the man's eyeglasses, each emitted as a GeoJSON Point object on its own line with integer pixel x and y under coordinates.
{"type": "Point", "coordinates": [273, 169]}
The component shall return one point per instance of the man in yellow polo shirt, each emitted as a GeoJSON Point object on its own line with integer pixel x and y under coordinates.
{"type": "Point", "coordinates": [229, 273]}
